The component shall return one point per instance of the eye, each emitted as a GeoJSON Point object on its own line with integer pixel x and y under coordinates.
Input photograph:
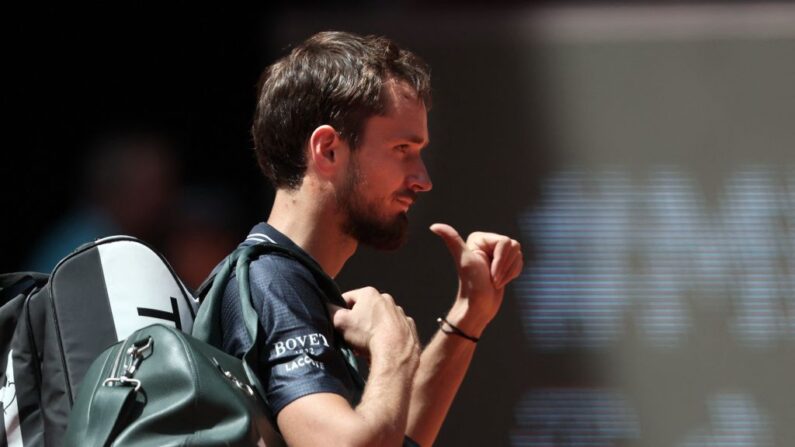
{"type": "Point", "coordinates": [402, 148]}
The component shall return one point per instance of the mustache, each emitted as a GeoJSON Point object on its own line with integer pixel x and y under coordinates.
{"type": "Point", "coordinates": [406, 194]}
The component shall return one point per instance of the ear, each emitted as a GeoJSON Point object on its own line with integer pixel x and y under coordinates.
{"type": "Point", "coordinates": [326, 150]}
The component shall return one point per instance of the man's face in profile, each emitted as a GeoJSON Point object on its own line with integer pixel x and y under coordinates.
{"type": "Point", "coordinates": [386, 172]}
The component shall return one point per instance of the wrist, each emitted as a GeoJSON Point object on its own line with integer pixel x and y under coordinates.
{"type": "Point", "coordinates": [462, 316]}
{"type": "Point", "coordinates": [399, 368]}
{"type": "Point", "coordinates": [394, 356]}
{"type": "Point", "coordinates": [453, 330]}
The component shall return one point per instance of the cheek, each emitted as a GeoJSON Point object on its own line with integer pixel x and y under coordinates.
{"type": "Point", "coordinates": [385, 177]}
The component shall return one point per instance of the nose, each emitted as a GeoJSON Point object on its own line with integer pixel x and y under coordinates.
{"type": "Point", "coordinates": [420, 180]}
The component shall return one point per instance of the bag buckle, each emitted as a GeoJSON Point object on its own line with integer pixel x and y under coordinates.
{"type": "Point", "coordinates": [136, 354]}
{"type": "Point", "coordinates": [124, 381]}
{"type": "Point", "coordinates": [237, 382]}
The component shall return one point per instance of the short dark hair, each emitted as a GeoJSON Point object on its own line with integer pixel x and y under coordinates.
{"type": "Point", "coordinates": [334, 78]}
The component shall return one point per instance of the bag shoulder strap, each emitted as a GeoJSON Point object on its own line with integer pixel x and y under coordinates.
{"type": "Point", "coordinates": [207, 326]}
{"type": "Point", "coordinates": [107, 409]}
{"type": "Point", "coordinates": [20, 283]}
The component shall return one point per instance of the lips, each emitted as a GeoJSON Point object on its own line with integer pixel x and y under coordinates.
{"type": "Point", "coordinates": [407, 199]}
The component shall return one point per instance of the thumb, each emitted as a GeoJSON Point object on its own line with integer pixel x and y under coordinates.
{"type": "Point", "coordinates": [337, 314]}
{"type": "Point", "coordinates": [454, 243]}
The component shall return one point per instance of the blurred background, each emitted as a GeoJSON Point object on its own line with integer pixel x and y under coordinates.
{"type": "Point", "coordinates": [642, 152]}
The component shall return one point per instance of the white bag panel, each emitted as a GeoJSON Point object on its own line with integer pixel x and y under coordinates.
{"type": "Point", "coordinates": [139, 282]}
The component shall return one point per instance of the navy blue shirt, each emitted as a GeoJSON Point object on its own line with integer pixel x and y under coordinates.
{"type": "Point", "coordinates": [297, 354]}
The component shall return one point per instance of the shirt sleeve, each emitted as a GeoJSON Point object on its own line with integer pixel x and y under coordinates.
{"type": "Point", "coordinates": [298, 355]}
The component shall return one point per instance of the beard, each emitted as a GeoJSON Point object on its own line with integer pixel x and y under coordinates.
{"type": "Point", "coordinates": [364, 221]}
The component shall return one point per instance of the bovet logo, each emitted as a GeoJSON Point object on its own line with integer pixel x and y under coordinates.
{"type": "Point", "coordinates": [300, 343]}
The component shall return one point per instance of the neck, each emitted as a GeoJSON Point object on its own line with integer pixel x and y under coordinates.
{"type": "Point", "coordinates": [313, 225]}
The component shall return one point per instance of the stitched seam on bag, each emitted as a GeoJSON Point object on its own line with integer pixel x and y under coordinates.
{"type": "Point", "coordinates": [57, 329]}
{"type": "Point", "coordinates": [191, 365]}
{"type": "Point", "coordinates": [32, 340]}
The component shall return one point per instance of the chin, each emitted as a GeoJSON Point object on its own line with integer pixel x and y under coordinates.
{"type": "Point", "coordinates": [389, 245]}
{"type": "Point", "coordinates": [387, 237]}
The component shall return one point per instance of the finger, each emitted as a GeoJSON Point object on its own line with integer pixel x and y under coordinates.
{"type": "Point", "coordinates": [517, 265]}
{"type": "Point", "coordinates": [414, 330]}
{"type": "Point", "coordinates": [516, 270]}
{"type": "Point", "coordinates": [350, 297]}
{"type": "Point", "coordinates": [451, 238]}
{"type": "Point", "coordinates": [508, 258]}
{"type": "Point", "coordinates": [501, 256]}
{"type": "Point", "coordinates": [513, 272]}
{"type": "Point", "coordinates": [487, 242]}
{"type": "Point", "coordinates": [337, 314]}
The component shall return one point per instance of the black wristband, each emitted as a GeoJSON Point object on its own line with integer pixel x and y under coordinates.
{"type": "Point", "coordinates": [454, 330]}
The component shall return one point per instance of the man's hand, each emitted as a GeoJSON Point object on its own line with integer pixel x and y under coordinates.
{"type": "Point", "coordinates": [486, 263]}
{"type": "Point", "coordinates": [375, 326]}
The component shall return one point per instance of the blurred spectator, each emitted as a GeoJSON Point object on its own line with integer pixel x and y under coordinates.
{"type": "Point", "coordinates": [205, 227]}
{"type": "Point", "coordinates": [129, 185]}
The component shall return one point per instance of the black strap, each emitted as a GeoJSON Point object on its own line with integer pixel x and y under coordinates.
{"type": "Point", "coordinates": [15, 284]}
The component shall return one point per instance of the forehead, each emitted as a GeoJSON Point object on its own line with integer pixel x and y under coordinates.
{"type": "Point", "coordinates": [405, 117]}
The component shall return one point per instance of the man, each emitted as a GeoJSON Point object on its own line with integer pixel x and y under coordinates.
{"type": "Point", "coordinates": [340, 127]}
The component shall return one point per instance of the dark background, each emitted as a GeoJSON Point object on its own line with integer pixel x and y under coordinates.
{"type": "Point", "coordinates": [74, 75]}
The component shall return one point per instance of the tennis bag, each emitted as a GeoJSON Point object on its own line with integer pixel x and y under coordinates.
{"type": "Point", "coordinates": [162, 387]}
{"type": "Point", "coordinates": [15, 289]}
{"type": "Point", "coordinates": [97, 295]}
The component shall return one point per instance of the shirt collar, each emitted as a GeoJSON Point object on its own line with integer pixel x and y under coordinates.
{"type": "Point", "coordinates": [263, 232]}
